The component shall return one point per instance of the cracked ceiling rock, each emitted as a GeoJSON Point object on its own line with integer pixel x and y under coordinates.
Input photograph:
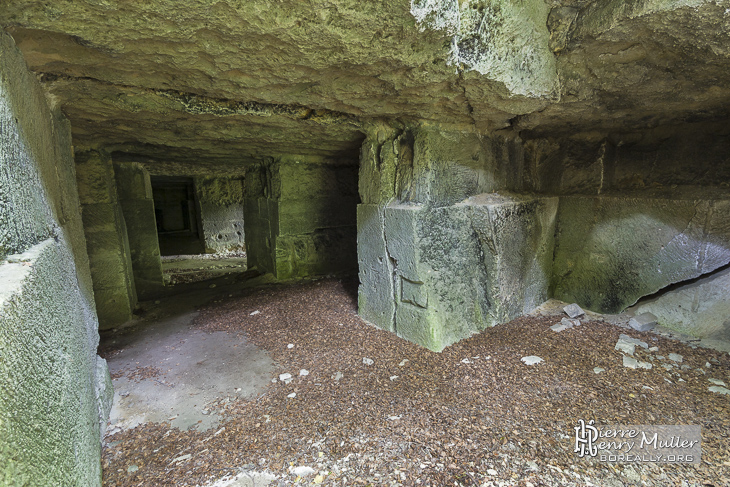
{"type": "Point", "coordinates": [504, 41]}
{"type": "Point", "coordinates": [138, 99]}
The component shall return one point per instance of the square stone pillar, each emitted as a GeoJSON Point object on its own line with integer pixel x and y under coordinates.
{"type": "Point", "coordinates": [134, 191]}
{"type": "Point", "coordinates": [106, 239]}
{"type": "Point", "coordinates": [441, 254]}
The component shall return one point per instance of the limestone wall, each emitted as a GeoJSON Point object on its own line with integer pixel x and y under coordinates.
{"type": "Point", "coordinates": [612, 250]}
{"type": "Point", "coordinates": [300, 217]}
{"type": "Point", "coordinates": [54, 390]}
{"type": "Point", "coordinates": [221, 212]}
{"type": "Point", "coordinates": [107, 241]}
{"type": "Point", "coordinates": [666, 161]}
{"type": "Point", "coordinates": [134, 192]}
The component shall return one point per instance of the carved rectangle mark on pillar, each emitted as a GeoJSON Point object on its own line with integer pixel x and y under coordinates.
{"type": "Point", "coordinates": [413, 293]}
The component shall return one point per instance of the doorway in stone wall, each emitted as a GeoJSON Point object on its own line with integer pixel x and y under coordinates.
{"type": "Point", "coordinates": [177, 216]}
{"type": "Point", "coordinates": [195, 221]}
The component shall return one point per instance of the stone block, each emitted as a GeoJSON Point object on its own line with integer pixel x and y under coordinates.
{"type": "Point", "coordinates": [307, 215]}
{"type": "Point", "coordinates": [413, 293]}
{"type": "Point", "coordinates": [612, 250]}
{"type": "Point", "coordinates": [700, 308]}
{"type": "Point", "coordinates": [643, 322]}
{"type": "Point", "coordinates": [376, 294]}
{"type": "Point", "coordinates": [327, 251]}
{"type": "Point", "coordinates": [461, 268]}
{"type": "Point", "coordinates": [573, 311]}
{"type": "Point", "coordinates": [95, 178]}
{"type": "Point", "coordinates": [132, 181]}
{"type": "Point", "coordinates": [112, 306]}
{"type": "Point", "coordinates": [401, 236]}
{"type": "Point", "coordinates": [259, 223]}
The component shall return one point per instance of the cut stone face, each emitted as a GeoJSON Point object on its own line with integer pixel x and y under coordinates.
{"type": "Point", "coordinates": [643, 322]}
{"type": "Point", "coordinates": [612, 250]}
{"type": "Point", "coordinates": [461, 268]}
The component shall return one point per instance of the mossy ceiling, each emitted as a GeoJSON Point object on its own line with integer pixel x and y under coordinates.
{"type": "Point", "coordinates": [235, 81]}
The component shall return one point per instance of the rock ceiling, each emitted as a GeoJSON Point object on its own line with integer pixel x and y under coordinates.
{"type": "Point", "coordinates": [236, 80]}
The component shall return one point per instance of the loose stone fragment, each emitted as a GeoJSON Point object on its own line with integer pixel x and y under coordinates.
{"type": "Point", "coordinates": [367, 361]}
{"type": "Point", "coordinates": [284, 377]}
{"type": "Point", "coordinates": [630, 362]}
{"type": "Point", "coordinates": [598, 370]}
{"type": "Point", "coordinates": [627, 344]}
{"type": "Point", "coordinates": [303, 372]}
{"type": "Point", "coordinates": [303, 471]}
{"type": "Point", "coordinates": [643, 322]}
{"type": "Point", "coordinates": [532, 360]}
{"type": "Point", "coordinates": [573, 310]}
{"type": "Point", "coordinates": [292, 395]}
{"type": "Point", "coordinates": [570, 321]}
{"type": "Point", "coordinates": [558, 327]}
{"type": "Point", "coordinates": [717, 382]}
{"type": "Point", "coordinates": [254, 313]}
{"type": "Point", "coordinates": [676, 357]}
{"type": "Point", "coordinates": [720, 390]}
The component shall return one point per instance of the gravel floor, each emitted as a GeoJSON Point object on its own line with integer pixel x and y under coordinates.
{"type": "Point", "coordinates": [471, 415]}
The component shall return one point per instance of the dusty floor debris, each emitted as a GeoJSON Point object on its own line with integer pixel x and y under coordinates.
{"type": "Point", "coordinates": [471, 415]}
{"type": "Point", "coordinates": [193, 268]}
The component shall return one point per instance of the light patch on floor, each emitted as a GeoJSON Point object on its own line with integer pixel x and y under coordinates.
{"type": "Point", "coordinates": [194, 268]}
{"type": "Point", "coordinates": [171, 372]}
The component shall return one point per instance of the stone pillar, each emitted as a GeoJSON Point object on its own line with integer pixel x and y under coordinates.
{"type": "Point", "coordinates": [221, 211]}
{"type": "Point", "coordinates": [441, 255]}
{"type": "Point", "coordinates": [260, 215]}
{"type": "Point", "coordinates": [55, 392]}
{"type": "Point", "coordinates": [300, 217]}
{"type": "Point", "coordinates": [106, 239]}
{"type": "Point", "coordinates": [138, 208]}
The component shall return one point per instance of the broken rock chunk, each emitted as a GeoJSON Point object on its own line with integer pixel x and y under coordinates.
{"type": "Point", "coordinates": [643, 322]}
{"type": "Point", "coordinates": [720, 390]}
{"type": "Point", "coordinates": [532, 360]}
{"type": "Point", "coordinates": [558, 327]}
{"type": "Point", "coordinates": [570, 321]}
{"type": "Point", "coordinates": [565, 324]}
{"type": "Point", "coordinates": [303, 471]}
{"type": "Point", "coordinates": [627, 344]}
{"type": "Point", "coordinates": [632, 363]}
{"type": "Point", "coordinates": [573, 310]}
